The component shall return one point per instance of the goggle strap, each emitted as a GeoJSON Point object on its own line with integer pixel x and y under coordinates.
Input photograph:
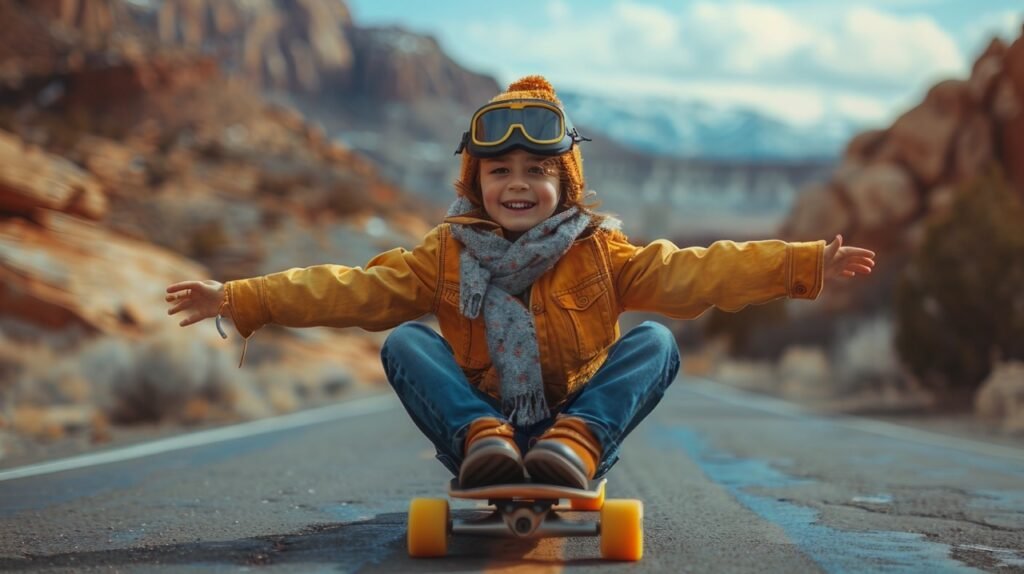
{"type": "Point", "coordinates": [576, 137]}
{"type": "Point", "coordinates": [462, 144]}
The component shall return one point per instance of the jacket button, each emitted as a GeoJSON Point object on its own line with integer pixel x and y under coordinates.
{"type": "Point", "coordinates": [537, 309]}
{"type": "Point", "coordinates": [799, 289]}
{"type": "Point", "coordinates": [584, 300]}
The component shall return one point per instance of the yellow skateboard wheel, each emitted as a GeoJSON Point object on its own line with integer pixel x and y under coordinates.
{"type": "Point", "coordinates": [588, 503]}
{"type": "Point", "coordinates": [428, 527]}
{"type": "Point", "coordinates": [622, 530]}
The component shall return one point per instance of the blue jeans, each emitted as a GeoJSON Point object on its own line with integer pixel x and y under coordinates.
{"type": "Point", "coordinates": [421, 367]}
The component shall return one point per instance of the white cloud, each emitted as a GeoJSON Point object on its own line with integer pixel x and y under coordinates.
{"type": "Point", "coordinates": [743, 38]}
{"type": "Point", "coordinates": [558, 10]}
{"type": "Point", "coordinates": [856, 45]}
{"type": "Point", "coordinates": [804, 104]}
{"type": "Point", "coordinates": [794, 61]}
{"type": "Point", "coordinates": [648, 26]}
{"type": "Point", "coordinates": [875, 47]}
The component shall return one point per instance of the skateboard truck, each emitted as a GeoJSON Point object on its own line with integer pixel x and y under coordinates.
{"type": "Point", "coordinates": [524, 519]}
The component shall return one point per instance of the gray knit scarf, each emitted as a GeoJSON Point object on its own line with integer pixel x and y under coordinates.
{"type": "Point", "coordinates": [493, 270]}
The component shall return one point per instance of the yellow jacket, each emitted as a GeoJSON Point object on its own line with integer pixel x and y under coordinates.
{"type": "Point", "coordinates": [575, 305]}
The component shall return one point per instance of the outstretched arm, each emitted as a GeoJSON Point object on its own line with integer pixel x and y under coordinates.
{"type": "Point", "coordinates": [395, 286]}
{"type": "Point", "coordinates": [683, 283]}
{"type": "Point", "coordinates": [847, 261]}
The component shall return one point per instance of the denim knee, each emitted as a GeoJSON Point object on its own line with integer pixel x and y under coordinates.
{"type": "Point", "coordinates": [401, 346]}
{"type": "Point", "coordinates": [658, 336]}
{"type": "Point", "coordinates": [661, 342]}
{"type": "Point", "coordinates": [406, 337]}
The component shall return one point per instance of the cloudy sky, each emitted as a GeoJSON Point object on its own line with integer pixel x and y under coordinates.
{"type": "Point", "coordinates": [799, 60]}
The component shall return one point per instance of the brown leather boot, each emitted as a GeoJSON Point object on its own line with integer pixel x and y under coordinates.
{"type": "Point", "coordinates": [566, 454]}
{"type": "Point", "coordinates": [492, 456]}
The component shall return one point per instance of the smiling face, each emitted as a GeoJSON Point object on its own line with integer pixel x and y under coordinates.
{"type": "Point", "coordinates": [519, 190]}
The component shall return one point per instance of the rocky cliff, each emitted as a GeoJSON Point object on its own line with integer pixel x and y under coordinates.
{"type": "Point", "coordinates": [891, 188]}
{"type": "Point", "coordinates": [126, 165]}
{"type": "Point", "coordinates": [313, 47]}
{"type": "Point", "coordinates": [891, 180]}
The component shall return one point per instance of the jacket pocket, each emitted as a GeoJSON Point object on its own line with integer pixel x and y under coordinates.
{"type": "Point", "coordinates": [588, 307]}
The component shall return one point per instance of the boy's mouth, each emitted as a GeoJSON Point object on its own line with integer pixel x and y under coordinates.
{"type": "Point", "coordinates": [518, 205]}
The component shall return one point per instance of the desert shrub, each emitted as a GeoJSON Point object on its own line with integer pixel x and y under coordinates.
{"type": "Point", "coordinates": [153, 379]}
{"type": "Point", "coordinates": [960, 301]}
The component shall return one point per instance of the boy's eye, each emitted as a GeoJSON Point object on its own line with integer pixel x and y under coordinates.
{"type": "Point", "coordinates": [499, 170]}
{"type": "Point", "coordinates": [537, 170]}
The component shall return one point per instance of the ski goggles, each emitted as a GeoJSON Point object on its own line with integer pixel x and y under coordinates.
{"type": "Point", "coordinates": [537, 126]}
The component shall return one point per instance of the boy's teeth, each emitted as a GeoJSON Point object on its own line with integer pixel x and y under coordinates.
{"type": "Point", "coordinates": [518, 205]}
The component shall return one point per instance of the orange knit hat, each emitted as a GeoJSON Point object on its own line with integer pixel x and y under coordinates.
{"type": "Point", "coordinates": [570, 163]}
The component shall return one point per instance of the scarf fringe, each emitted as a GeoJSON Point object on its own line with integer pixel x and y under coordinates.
{"type": "Point", "coordinates": [525, 410]}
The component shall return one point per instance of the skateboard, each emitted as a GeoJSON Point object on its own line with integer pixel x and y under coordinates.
{"type": "Point", "coordinates": [529, 510]}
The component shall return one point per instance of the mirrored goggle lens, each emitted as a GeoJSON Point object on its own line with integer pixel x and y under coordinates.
{"type": "Point", "coordinates": [540, 124]}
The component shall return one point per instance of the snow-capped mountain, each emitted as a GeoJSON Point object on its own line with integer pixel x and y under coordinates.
{"type": "Point", "coordinates": [695, 129]}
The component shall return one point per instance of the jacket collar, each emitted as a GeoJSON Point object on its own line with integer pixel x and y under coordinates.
{"type": "Point", "coordinates": [475, 217]}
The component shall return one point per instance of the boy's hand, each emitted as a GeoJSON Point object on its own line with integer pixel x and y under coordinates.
{"type": "Point", "coordinates": [201, 298]}
{"type": "Point", "coordinates": [847, 261]}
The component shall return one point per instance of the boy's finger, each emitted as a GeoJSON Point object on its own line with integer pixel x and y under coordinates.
{"type": "Point", "coordinates": [182, 286]}
{"type": "Point", "coordinates": [859, 268]}
{"type": "Point", "coordinates": [862, 261]}
{"type": "Point", "coordinates": [848, 273]}
{"type": "Point", "coordinates": [183, 305]}
{"type": "Point", "coordinates": [858, 251]}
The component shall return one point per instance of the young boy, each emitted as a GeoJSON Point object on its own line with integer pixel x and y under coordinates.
{"type": "Point", "coordinates": [529, 377]}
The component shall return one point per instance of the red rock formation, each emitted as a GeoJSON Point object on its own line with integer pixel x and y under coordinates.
{"type": "Point", "coordinates": [93, 21]}
{"type": "Point", "coordinates": [58, 271]}
{"type": "Point", "coordinates": [312, 46]}
{"type": "Point", "coordinates": [48, 38]}
{"type": "Point", "coordinates": [30, 179]}
{"type": "Point", "coordinates": [881, 195]}
{"type": "Point", "coordinates": [288, 45]}
{"type": "Point", "coordinates": [986, 72]}
{"type": "Point", "coordinates": [1010, 116]}
{"type": "Point", "coordinates": [889, 177]}
{"type": "Point", "coordinates": [125, 167]}
{"type": "Point", "coordinates": [396, 65]}
{"type": "Point", "coordinates": [921, 139]}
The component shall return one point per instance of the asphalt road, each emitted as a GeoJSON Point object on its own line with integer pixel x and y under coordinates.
{"type": "Point", "coordinates": [730, 483]}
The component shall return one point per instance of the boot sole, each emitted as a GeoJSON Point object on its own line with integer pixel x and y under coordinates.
{"type": "Point", "coordinates": [491, 465]}
{"type": "Point", "coordinates": [552, 468]}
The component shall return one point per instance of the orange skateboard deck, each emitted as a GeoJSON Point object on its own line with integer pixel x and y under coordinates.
{"type": "Point", "coordinates": [528, 491]}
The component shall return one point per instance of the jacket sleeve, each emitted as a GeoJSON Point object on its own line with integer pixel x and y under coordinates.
{"type": "Point", "coordinates": [683, 283]}
{"type": "Point", "coordinates": [395, 286]}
